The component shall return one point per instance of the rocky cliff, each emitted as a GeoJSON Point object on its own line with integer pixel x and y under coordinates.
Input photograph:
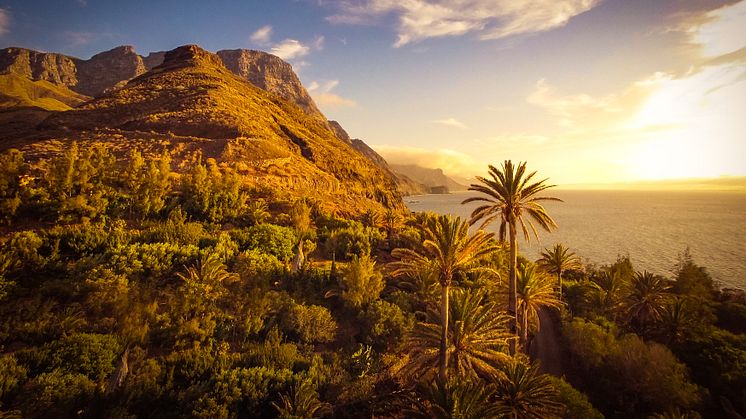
{"type": "Point", "coordinates": [272, 74]}
{"type": "Point", "coordinates": [434, 179]}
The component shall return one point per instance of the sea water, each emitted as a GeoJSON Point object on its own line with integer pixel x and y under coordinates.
{"type": "Point", "coordinates": [652, 227]}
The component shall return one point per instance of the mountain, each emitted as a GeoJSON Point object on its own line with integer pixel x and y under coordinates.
{"type": "Point", "coordinates": [271, 73]}
{"type": "Point", "coordinates": [434, 179]}
{"type": "Point", "coordinates": [193, 104]}
{"type": "Point", "coordinates": [111, 69]}
{"type": "Point", "coordinates": [405, 185]}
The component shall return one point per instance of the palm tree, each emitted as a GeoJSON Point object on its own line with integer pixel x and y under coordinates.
{"type": "Point", "coordinates": [646, 301]}
{"type": "Point", "coordinates": [478, 337]}
{"type": "Point", "coordinates": [461, 399]}
{"type": "Point", "coordinates": [608, 285]}
{"type": "Point", "coordinates": [534, 290]}
{"type": "Point", "coordinates": [508, 196]}
{"type": "Point", "coordinates": [302, 402]}
{"type": "Point", "coordinates": [449, 250]}
{"type": "Point", "coordinates": [524, 393]}
{"type": "Point", "coordinates": [558, 260]}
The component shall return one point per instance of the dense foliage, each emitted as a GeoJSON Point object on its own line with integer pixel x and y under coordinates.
{"type": "Point", "coordinates": [144, 293]}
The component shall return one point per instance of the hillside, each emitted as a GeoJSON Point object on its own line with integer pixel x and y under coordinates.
{"type": "Point", "coordinates": [17, 91]}
{"type": "Point", "coordinates": [192, 103]}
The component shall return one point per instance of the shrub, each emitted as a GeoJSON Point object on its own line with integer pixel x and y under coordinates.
{"type": "Point", "coordinates": [577, 405]}
{"type": "Point", "coordinates": [11, 375]}
{"type": "Point", "coordinates": [384, 325]}
{"type": "Point", "coordinates": [258, 268]}
{"type": "Point", "coordinates": [90, 354]}
{"type": "Point", "coordinates": [312, 324]}
{"type": "Point", "coordinates": [60, 394]}
{"type": "Point", "coordinates": [271, 239]}
{"type": "Point", "coordinates": [361, 282]}
{"type": "Point", "coordinates": [352, 240]}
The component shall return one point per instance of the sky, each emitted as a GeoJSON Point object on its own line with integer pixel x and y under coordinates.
{"type": "Point", "coordinates": [585, 91]}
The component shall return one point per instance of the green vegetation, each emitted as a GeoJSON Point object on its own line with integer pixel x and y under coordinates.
{"type": "Point", "coordinates": [147, 292]}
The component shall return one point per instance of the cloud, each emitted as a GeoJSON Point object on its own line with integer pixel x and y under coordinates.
{"type": "Point", "coordinates": [82, 2]}
{"type": "Point", "coordinates": [76, 38]}
{"type": "Point", "coordinates": [418, 20]}
{"type": "Point", "coordinates": [723, 30]}
{"type": "Point", "coordinates": [4, 21]}
{"type": "Point", "coordinates": [318, 42]}
{"type": "Point", "coordinates": [453, 163]}
{"type": "Point", "coordinates": [323, 96]}
{"type": "Point", "coordinates": [290, 49]}
{"type": "Point", "coordinates": [262, 35]}
{"type": "Point", "coordinates": [450, 122]}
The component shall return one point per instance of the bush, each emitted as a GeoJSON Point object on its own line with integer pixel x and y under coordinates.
{"type": "Point", "coordinates": [384, 325]}
{"type": "Point", "coordinates": [151, 260]}
{"type": "Point", "coordinates": [627, 374]}
{"type": "Point", "coordinates": [258, 268]}
{"type": "Point", "coordinates": [361, 283]}
{"type": "Point", "coordinates": [60, 394]}
{"type": "Point", "coordinates": [90, 354]}
{"type": "Point", "coordinates": [353, 240]}
{"type": "Point", "coordinates": [11, 375]}
{"type": "Point", "coordinates": [312, 324]}
{"type": "Point", "coordinates": [577, 405]}
{"type": "Point", "coordinates": [271, 239]}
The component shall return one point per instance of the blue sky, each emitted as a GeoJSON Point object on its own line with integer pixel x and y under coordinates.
{"type": "Point", "coordinates": [588, 91]}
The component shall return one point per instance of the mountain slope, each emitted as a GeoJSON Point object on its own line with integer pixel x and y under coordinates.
{"type": "Point", "coordinates": [192, 96]}
{"type": "Point", "coordinates": [18, 91]}
{"type": "Point", "coordinates": [432, 178]}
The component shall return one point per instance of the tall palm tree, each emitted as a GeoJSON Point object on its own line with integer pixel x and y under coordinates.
{"type": "Point", "coordinates": [646, 301]}
{"type": "Point", "coordinates": [478, 337]}
{"type": "Point", "coordinates": [508, 195]}
{"type": "Point", "coordinates": [557, 260]}
{"type": "Point", "coordinates": [524, 393]}
{"type": "Point", "coordinates": [448, 249]}
{"type": "Point", "coordinates": [534, 290]}
{"type": "Point", "coordinates": [678, 316]}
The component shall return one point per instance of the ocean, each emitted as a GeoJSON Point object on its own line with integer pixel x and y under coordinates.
{"type": "Point", "coordinates": [652, 227]}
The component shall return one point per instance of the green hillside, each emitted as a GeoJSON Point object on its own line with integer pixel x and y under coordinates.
{"type": "Point", "coordinates": [17, 91]}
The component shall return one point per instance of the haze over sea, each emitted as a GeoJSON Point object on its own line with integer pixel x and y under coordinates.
{"type": "Point", "coordinates": [652, 227]}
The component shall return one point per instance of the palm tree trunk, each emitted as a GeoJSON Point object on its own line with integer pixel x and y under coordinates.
{"type": "Point", "coordinates": [512, 285]}
{"type": "Point", "coordinates": [524, 328]}
{"type": "Point", "coordinates": [442, 372]}
{"type": "Point", "coordinates": [559, 284]}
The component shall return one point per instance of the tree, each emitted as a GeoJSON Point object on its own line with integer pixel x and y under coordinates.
{"type": "Point", "coordinates": [557, 260]}
{"type": "Point", "coordinates": [461, 399]}
{"type": "Point", "coordinates": [302, 402]}
{"type": "Point", "coordinates": [608, 285]}
{"type": "Point", "coordinates": [449, 250]}
{"type": "Point", "coordinates": [524, 393]}
{"type": "Point", "coordinates": [478, 337]}
{"type": "Point", "coordinates": [646, 302]}
{"type": "Point", "coordinates": [12, 167]}
{"type": "Point", "coordinates": [534, 290]}
{"type": "Point", "coordinates": [508, 196]}
{"type": "Point", "coordinates": [361, 282]}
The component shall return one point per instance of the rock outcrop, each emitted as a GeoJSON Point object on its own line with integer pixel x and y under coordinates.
{"type": "Point", "coordinates": [270, 73]}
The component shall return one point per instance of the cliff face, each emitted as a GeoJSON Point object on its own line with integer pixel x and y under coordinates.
{"type": "Point", "coordinates": [112, 69]}
{"type": "Point", "coordinates": [434, 179]}
{"type": "Point", "coordinates": [270, 73]}
{"type": "Point", "coordinates": [107, 69]}
{"type": "Point", "coordinates": [39, 66]}
{"type": "Point", "coordinates": [88, 77]}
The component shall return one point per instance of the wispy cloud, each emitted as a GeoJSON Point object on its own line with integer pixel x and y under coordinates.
{"type": "Point", "coordinates": [450, 122]}
{"type": "Point", "coordinates": [452, 162]}
{"type": "Point", "coordinates": [4, 21]}
{"type": "Point", "coordinates": [724, 30]}
{"type": "Point", "coordinates": [290, 49]}
{"type": "Point", "coordinates": [262, 35]}
{"type": "Point", "coordinates": [323, 96]}
{"type": "Point", "coordinates": [78, 38]}
{"type": "Point", "coordinates": [489, 19]}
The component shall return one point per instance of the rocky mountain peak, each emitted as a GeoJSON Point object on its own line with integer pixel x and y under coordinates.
{"type": "Point", "coordinates": [190, 55]}
{"type": "Point", "coordinates": [270, 73]}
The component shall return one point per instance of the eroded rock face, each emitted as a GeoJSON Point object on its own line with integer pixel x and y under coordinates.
{"type": "Point", "coordinates": [114, 68]}
{"type": "Point", "coordinates": [270, 73]}
{"type": "Point", "coordinates": [54, 68]}
{"type": "Point", "coordinates": [105, 70]}
{"type": "Point", "coordinates": [89, 77]}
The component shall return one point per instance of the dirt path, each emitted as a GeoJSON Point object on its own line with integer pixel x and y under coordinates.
{"type": "Point", "coordinates": [545, 345]}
